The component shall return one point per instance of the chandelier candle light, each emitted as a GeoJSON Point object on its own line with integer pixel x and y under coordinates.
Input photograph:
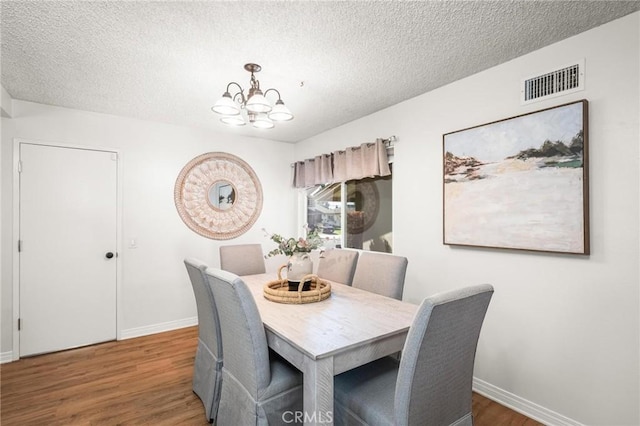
{"type": "Point", "coordinates": [259, 111]}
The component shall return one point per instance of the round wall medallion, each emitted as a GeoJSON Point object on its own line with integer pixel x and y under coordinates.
{"type": "Point", "coordinates": [218, 195]}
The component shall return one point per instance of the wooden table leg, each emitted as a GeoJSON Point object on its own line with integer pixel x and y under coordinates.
{"type": "Point", "coordinates": [318, 391]}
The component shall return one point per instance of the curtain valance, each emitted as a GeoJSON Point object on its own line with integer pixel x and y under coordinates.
{"type": "Point", "coordinates": [367, 160]}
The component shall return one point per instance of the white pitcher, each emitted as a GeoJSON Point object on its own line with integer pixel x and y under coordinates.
{"type": "Point", "coordinates": [299, 265]}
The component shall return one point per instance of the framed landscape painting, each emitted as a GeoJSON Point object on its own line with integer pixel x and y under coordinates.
{"type": "Point", "coordinates": [520, 183]}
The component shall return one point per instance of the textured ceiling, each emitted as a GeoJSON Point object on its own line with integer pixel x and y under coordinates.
{"type": "Point", "coordinates": [333, 62]}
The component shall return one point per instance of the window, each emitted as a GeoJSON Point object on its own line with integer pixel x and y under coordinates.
{"type": "Point", "coordinates": [354, 214]}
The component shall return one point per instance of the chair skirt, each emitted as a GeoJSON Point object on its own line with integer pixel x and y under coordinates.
{"type": "Point", "coordinates": [207, 380]}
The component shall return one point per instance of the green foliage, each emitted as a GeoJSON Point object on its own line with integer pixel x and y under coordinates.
{"type": "Point", "coordinates": [577, 143]}
{"type": "Point", "coordinates": [554, 149]}
{"type": "Point", "coordinates": [288, 246]}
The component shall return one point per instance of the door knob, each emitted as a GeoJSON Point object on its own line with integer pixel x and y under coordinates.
{"type": "Point", "coordinates": [109, 255]}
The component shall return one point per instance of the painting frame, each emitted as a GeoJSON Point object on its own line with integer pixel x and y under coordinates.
{"type": "Point", "coordinates": [520, 183]}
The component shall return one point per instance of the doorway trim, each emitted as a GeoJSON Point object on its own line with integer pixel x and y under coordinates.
{"type": "Point", "coordinates": [15, 346]}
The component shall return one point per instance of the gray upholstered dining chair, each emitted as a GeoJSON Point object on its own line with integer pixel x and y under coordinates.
{"type": "Point", "coordinates": [242, 259]}
{"type": "Point", "coordinates": [381, 273]}
{"type": "Point", "coordinates": [431, 385]}
{"type": "Point", "coordinates": [258, 387]}
{"type": "Point", "coordinates": [338, 265]}
{"type": "Point", "coordinates": [207, 368]}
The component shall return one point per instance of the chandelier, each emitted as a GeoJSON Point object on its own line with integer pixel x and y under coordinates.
{"type": "Point", "coordinates": [254, 105]}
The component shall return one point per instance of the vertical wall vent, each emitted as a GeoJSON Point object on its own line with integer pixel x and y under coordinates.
{"type": "Point", "coordinates": [563, 81]}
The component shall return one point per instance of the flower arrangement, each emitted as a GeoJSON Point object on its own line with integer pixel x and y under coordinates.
{"type": "Point", "coordinates": [289, 246]}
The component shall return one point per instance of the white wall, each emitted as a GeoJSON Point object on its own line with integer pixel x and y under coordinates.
{"type": "Point", "coordinates": [156, 293]}
{"type": "Point", "coordinates": [561, 337]}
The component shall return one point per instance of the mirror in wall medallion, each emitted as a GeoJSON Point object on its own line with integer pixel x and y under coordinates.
{"type": "Point", "coordinates": [218, 195]}
{"type": "Point", "coordinates": [222, 195]}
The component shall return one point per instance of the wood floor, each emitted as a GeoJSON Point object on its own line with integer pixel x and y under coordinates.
{"type": "Point", "coordinates": [146, 380]}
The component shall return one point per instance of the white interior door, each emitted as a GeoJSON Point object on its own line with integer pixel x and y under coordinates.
{"type": "Point", "coordinates": [68, 225]}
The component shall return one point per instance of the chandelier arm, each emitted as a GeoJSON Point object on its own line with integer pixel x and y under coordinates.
{"type": "Point", "coordinates": [233, 82]}
{"type": "Point", "coordinates": [243, 99]}
{"type": "Point", "coordinates": [275, 90]}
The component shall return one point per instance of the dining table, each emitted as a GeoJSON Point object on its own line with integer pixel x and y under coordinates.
{"type": "Point", "coordinates": [322, 339]}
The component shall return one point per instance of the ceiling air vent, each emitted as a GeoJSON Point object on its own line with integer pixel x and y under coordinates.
{"type": "Point", "coordinates": [561, 82]}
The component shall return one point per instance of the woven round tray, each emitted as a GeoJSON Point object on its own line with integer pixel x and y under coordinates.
{"type": "Point", "coordinates": [278, 290]}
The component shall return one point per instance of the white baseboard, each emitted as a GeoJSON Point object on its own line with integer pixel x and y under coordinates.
{"type": "Point", "coordinates": [158, 328]}
{"type": "Point", "coordinates": [6, 357]}
{"type": "Point", "coordinates": [521, 405]}
{"type": "Point", "coordinates": [132, 332]}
